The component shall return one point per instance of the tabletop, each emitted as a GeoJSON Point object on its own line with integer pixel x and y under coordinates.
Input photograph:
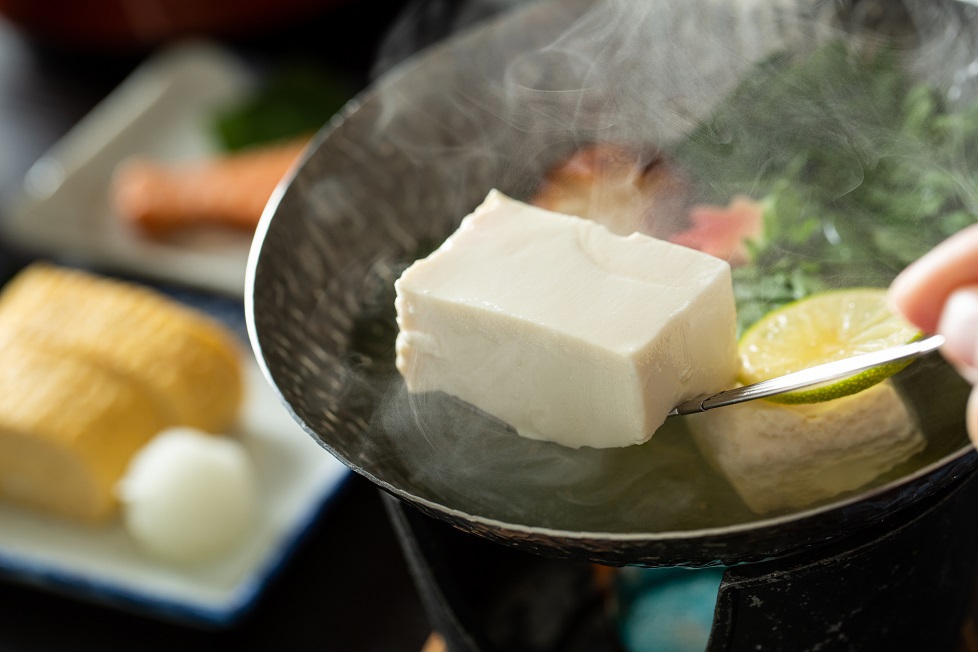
{"type": "Point", "coordinates": [348, 585]}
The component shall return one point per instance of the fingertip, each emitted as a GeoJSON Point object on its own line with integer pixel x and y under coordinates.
{"type": "Point", "coordinates": [911, 295]}
{"type": "Point", "coordinates": [920, 290]}
{"type": "Point", "coordinates": [959, 326]}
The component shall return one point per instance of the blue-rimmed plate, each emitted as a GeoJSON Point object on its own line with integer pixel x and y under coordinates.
{"type": "Point", "coordinates": [296, 479]}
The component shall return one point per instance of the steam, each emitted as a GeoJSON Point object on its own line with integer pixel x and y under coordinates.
{"type": "Point", "coordinates": [495, 113]}
{"type": "Point", "coordinates": [466, 459]}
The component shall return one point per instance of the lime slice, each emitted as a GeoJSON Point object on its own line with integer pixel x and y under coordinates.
{"type": "Point", "coordinates": [821, 328]}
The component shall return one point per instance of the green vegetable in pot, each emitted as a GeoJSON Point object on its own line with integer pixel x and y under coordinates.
{"type": "Point", "coordinates": [860, 169]}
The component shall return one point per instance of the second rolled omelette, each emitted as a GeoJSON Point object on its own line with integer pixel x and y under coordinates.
{"type": "Point", "coordinates": [93, 369]}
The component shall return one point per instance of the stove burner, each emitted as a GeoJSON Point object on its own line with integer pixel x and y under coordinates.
{"type": "Point", "coordinates": [903, 583]}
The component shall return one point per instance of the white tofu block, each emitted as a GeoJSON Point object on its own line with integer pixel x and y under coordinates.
{"type": "Point", "coordinates": [791, 456]}
{"type": "Point", "coordinates": [563, 330]}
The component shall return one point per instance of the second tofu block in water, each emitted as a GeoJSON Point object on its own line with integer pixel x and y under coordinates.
{"type": "Point", "coordinates": [782, 457]}
{"type": "Point", "coordinates": [563, 330]}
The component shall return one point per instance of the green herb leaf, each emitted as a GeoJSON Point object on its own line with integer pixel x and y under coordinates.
{"type": "Point", "coordinates": [860, 171]}
{"type": "Point", "coordinates": [294, 100]}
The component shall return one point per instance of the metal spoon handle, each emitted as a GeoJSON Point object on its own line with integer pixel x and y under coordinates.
{"type": "Point", "coordinates": [812, 376]}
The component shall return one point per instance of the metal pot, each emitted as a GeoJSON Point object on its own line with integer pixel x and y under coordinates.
{"type": "Point", "coordinates": [493, 107]}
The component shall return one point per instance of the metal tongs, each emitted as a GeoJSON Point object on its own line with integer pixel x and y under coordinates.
{"type": "Point", "coordinates": [816, 375]}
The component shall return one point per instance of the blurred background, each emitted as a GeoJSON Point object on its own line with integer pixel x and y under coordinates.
{"type": "Point", "coordinates": [346, 587]}
{"type": "Point", "coordinates": [59, 59]}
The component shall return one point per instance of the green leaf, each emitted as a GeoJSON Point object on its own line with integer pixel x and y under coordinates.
{"type": "Point", "coordinates": [296, 99]}
{"type": "Point", "coordinates": [859, 170]}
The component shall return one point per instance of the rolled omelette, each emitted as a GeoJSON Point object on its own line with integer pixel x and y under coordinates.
{"type": "Point", "coordinates": [91, 368]}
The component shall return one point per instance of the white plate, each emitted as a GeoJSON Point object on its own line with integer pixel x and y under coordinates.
{"type": "Point", "coordinates": [296, 477]}
{"type": "Point", "coordinates": [163, 109]}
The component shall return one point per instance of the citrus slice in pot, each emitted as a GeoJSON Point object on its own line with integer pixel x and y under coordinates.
{"type": "Point", "coordinates": [821, 328]}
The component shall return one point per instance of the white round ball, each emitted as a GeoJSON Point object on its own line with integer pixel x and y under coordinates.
{"type": "Point", "coordinates": [188, 496]}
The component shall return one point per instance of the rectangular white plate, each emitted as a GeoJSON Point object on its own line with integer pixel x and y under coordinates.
{"type": "Point", "coordinates": [165, 110]}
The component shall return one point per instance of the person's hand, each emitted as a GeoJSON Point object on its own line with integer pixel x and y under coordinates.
{"type": "Point", "coordinates": [939, 294]}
